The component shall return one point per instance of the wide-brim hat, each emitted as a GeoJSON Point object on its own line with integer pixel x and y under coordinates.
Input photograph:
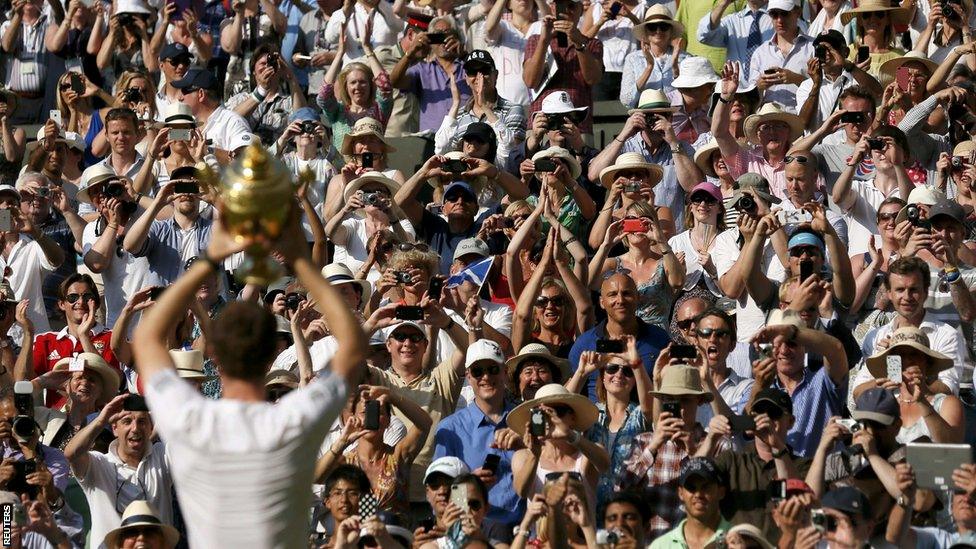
{"type": "Point", "coordinates": [680, 381]}
{"type": "Point", "coordinates": [772, 112]}
{"type": "Point", "coordinates": [189, 364]}
{"type": "Point", "coordinates": [631, 161]}
{"type": "Point", "coordinates": [178, 114]}
{"type": "Point", "coordinates": [554, 393]}
{"type": "Point", "coordinates": [338, 273]}
{"type": "Point", "coordinates": [559, 102]}
{"type": "Point", "coordinates": [538, 351]}
{"type": "Point", "coordinates": [364, 127]}
{"type": "Point", "coordinates": [703, 157]}
{"type": "Point", "coordinates": [563, 154]}
{"type": "Point", "coordinates": [94, 175]}
{"type": "Point", "coordinates": [281, 378]}
{"type": "Point", "coordinates": [694, 72]}
{"type": "Point", "coordinates": [658, 13]}
{"type": "Point", "coordinates": [371, 177]}
{"type": "Point", "coordinates": [140, 513]}
{"type": "Point", "coordinates": [908, 337]}
{"type": "Point", "coordinates": [653, 101]}
{"type": "Point", "coordinates": [753, 533]}
{"type": "Point", "coordinates": [899, 16]}
{"type": "Point", "coordinates": [97, 364]}
{"type": "Point", "coordinates": [891, 66]}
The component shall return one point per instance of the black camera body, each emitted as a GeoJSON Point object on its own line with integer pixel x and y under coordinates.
{"type": "Point", "coordinates": [957, 162]}
{"type": "Point", "coordinates": [132, 95]}
{"type": "Point", "coordinates": [914, 217]}
{"type": "Point", "coordinates": [820, 52]}
{"type": "Point", "coordinates": [371, 199]}
{"type": "Point", "coordinates": [113, 190]}
{"type": "Point", "coordinates": [23, 424]}
{"type": "Point", "coordinates": [555, 121]}
{"type": "Point", "coordinates": [309, 127]}
{"type": "Point", "coordinates": [746, 203]}
{"type": "Point", "coordinates": [402, 277]}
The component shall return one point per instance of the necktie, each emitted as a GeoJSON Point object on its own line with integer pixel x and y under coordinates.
{"type": "Point", "coordinates": [754, 39]}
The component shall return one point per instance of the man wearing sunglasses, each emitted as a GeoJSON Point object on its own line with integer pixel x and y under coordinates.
{"type": "Point", "coordinates": [715, 339]}
{"type": "Point", "coordinates": [471, 433]}
{"type": "Point", "coordinates": [174, 60]}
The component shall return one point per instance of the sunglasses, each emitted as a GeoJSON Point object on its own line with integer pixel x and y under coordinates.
{"type": "Point", "coordinates": [658, 27]}
{"type": "Point", "coordinates": [561, 409]}
{"type": "Point", "coordinates": [475, 504]}
{"type": "Point", "coordinates": [65, 87]}
{"type": "Point", "coordinates": [773, 412]}
{"type": "Point", "coordinates": [798, 159]}
{"type": "Point", "coordinates": [438, 482]}
{"type": "Point", "coordinates": [808, 250]}
{"type": "Point", "coordinates": [556, 475]}
{"type": "Point", "coordinates": [555, 301]}
{"type": "Point", "coordinates": [708, 332]}
{"type": "Point", "coordinates": [407, 246]}
{"type": "Point", "coordinates": [73, 298]}
{"type": "Point", "coordinates": [612, 369]}
{"type": "Point", "coordinates": [413, 337]}
{"type": "Point", "coordinates": [890, 216]}
{"type": "Point", "coordinates": [475, 72]}
{"type": "Point", "coordinates": [478, 371]}
{"type": "Point", "coordinates": [458, 196]}
{"type": "Point", "coordinates": [776, 14]}
{"type": "Point", "coordinates": [685, 324]}
{"type": "Point", "coordinates": [703, 199]}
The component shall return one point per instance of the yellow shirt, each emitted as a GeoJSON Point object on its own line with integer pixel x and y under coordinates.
{"type": "Point", "coordinates": [690, 12]}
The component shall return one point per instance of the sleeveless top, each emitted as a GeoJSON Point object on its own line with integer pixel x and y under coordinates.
{"type": "Point", "coordinates": [654, 297]}
{"type": "Point", "coordinates": [389, 485]}
{"type": "Point", "coordinates": [94, 127]}
{"type": "Point", "coordinates": [919, 429]}
{"type": "Point", "coordinates": [578, 466]}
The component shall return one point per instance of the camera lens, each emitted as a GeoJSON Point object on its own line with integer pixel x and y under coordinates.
{"type": "Point", "coordinates": [23, 427]}
{"type": "Point", "coordinates": [745, 203]}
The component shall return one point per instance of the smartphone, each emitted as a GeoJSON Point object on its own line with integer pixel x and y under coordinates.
{"type": "Point", "coordinates": [134, 403]}
{"type": "Point", "coordinates": [635, 226]}
{"type": "Point", "coordinates": [615, 10]}
{"type": "Point", "coordinates": [862, 54]}
{"type": "Point", "coordinates": [770, 71]}
{"type": "Point", "coordinates": [6, 221]}
{"type": "Point", "coordinates": [409, 312]}
{"type": "Point", "coordinates": [806, 270]}
{"type": "Point", "coordinates": [902, 77]}
{"type": "Point", "coordinates": [428, 523]}
{"type": "Point", "coordinates": [459, 496]}
{"type": "Point", "coordinates": [372, 420]}
{"type": "Point", "coordinates": [893, 363]}
{"type": "Point", "coordinates": [537, 423]}
{"type": "Point", "coordinates": [367, 160]}
{"type": "Point", "coordinates": [455, 166]}
{"type": "Point", "coordinates": [544, 165]}
{"type": "Point", "coordinates": [55, 115]}
{"type": "Point", "coordinates": [561, 39]}
{"type": "Point", "coordinates": [186, 187]}
{"type": "Point", "coordinates": [684, 352]}
{"type": "Point", "coordinates": [436, 37]}
{"type": "Point", "coordinates": [609, 345]}
{"type": "Point", "coordinates": [77, 85]}
{"type": "Point", "coordinates": [742, 423]}
{"type": "Point", "coordinates": [777, 490]}
{"type": "Point", "coordinates": [435, 287]}
{"type": "Point", "coordinates": [368, 505]}
{"type": "Point", "coordinates": [155, 292]}
{"type": "Point", "coordinates": [176, 134]}
{"type": "Point", "coordinates": [672, 407]}
{"type": "Point", "coordinates": [855, 117]}
{"type": "Point", "coordinates": [491, 462]}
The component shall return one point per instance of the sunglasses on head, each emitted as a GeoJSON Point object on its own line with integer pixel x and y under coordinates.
{"type": "Point", "coordinates": [478, 371]}
{"type": "Point", "coordinates": [798, 159]}
{"type": "Point", "coordinates": [413, 337]}
{"type": "Point", "coordinates": [612, 369]}
{"type": "Point", "coordinates": [542, 302]}
{"type": "Point", "coordinates": [408, 246]}
{"type": "Point", "coordinates": [707, 332]}
{"type": "Point", "coordinates": [73, 298]}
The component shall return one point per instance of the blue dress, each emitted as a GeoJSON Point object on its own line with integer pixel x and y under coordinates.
{"type": "Point", "coordinates": [94, 127]}
{"type": "Point", "coordinates": [618, 445]}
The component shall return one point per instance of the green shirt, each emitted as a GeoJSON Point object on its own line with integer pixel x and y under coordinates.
{"type": "Point", "coordinates": [689, 13]}
{"type": "Point", "coordinates": [676, 537]}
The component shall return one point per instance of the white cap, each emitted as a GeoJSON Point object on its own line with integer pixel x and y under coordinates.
{"type": "Point", "coordinates": [694, 72]}
{"type": "Point", "coordinates": [132, 6]}
{"type": "Point", "coordinates": [74, 141]}
{"type": "Point", "coordinates": [559, 102]}
{"type": "Point", "coordinates": [58, 137]}
{"type": "Point", "coordinates": [471, 246]}
{"type": "Point", "coordinates": [783, 5]}
{"type": "Point", "coordinates": [447, 465]}
{"type": "Point", "coordinates": [241, 140]}
{"type": "Point", "coordinates": [484, 349]}
{"type": "Point", "coordinates": [396, 327]}
{"type": "Point", "coordinates": [923, 194]}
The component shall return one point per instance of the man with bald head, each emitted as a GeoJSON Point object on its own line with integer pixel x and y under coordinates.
{"type": "Point", "coordinates": [805, 184]}
{"type": "Point", "coordinates": [618, 297]}
{"type": "Point", "coordinates": [684, 319]}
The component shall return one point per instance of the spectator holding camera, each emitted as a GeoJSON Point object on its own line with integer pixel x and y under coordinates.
{"type": "Point", "coordinates": [630, 179]}
{"type": "Point", "coordinates": [472, 516]}
{"type": "Point", "coordinates": [557, 124]}
{"type": "Point", "coordinates": [276, 92]}
{"type": "Point", "coordinates": [364, 149]}
{"type": "Point", "coordinates": [341, 493]}
{"type": "Point", "coordinates": [29, 467]}
{"type": "Point", "coordinates": [22, 41]}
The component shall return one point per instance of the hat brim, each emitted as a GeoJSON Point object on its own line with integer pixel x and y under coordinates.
{"type": "Point", "coordinates": [560, 364]}
{"type": "Point", "coordinates": [765, 196]}
{"type": "Point", "coordinates": [705, 396]}
{"type": "Point", "coordinates": [110, 379]}
{"type": "Point", "coordinates": [584, 410]}
{"type": "Point", "coordinates": [703, 159]}
{"type": "Point", "coordinates": [370, 177]}
{"type": "Point", "coordinates": [349, 138]}
{"type": "Point", "coordinates": [878, 364]}
{"type": "Point", "coordinates": [83, 194]}
{"type": "Point", "coordinates": [575, 170]}
{"type": "Point", "coordinates": [663, 110]}
{"type": "Point", "coordinates": [883, 419]}
{"type": "Point", "coordinates": [640, 30]}
{"type": "Point", "coordinates": [888, 69]}
{"type": "Point", "coordinates": [608, 174]}
{"type": "Point", "coordinates": [686, 82]}
{"type": "Point", "coordinates": [170, 535]}
{"type": "Point", "coordinates": [753, 121]}
{"type": "Point", "coordinates": [899, 16]}
{"type": "Point", "coordinates": [364, 285]}
{"type": "Point", "coordinates": [171, 123]}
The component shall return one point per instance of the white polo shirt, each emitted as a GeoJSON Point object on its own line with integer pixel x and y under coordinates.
{"type": "Point", "coordinates": [28, 266]}
{"type": "Point", "coordinates": [110, 485]}
{"type": "Point", "coordinates": [222, 125]}
{"type": "Point", "coordinates": [244, 469]}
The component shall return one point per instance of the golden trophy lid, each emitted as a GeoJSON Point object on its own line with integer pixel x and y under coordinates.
{"type": "Point", "coordinates": [256, 182]}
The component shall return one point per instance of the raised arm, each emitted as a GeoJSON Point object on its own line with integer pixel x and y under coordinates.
{"type": "Point", "coordinates": [406, 197]}
{"type": "Point", "coordinates": [523, 316]}
{"type": "Point", "coordinates": [135, 237]}
{"type": "Point", "coordinates": [77, 449]}
{"type": "Point", "coordinates": [750, 262]}
{"type": "Point", "coordinates": [534, 66]}
{"type": "Point", "coordinates": [720, 118]}
{"type": "Point", "coordinates": [843, 195]}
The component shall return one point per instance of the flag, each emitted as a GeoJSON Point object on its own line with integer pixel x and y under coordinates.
{"type": "Point", "coordinates": [476, 273]}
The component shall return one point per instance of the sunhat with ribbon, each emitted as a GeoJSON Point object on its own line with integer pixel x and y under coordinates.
{"type": "Point", "coordinates": [658, 13]}
{"type": "Point", "coordinates": [772, 112]}
{"type": "Point", "coordinates": [631, 161]}
{"type": "Point", "coordinates": [908, 337]}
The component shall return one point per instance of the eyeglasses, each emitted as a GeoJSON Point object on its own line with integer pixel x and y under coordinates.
{"type": "Point", "coordinates": [475, 72]}
{"type": "Point", "coordinates": [709, 332]}
{"type": "Point", "coordinates": [73, 298]}
{"type": "Point", "coordinates": [702, 198]}
{"type": "Point", "coordinates": [685, 324]}
{"type": "Point", "coordinates": [345, 494]}
{"type": "Point", "coordinates": [869, 14]}
{"type": "Point", "coordinates": [798, 159]}
{"type": "Point", "coordinates": [657, 27]}
{"type": "Point", "coordinates": [413, 337]}
{"type": "Point", "coordinates": [478, 371]}
{"type": "Point", "coordinates": [556, 301]}
{"type": "Point", "coordinates": [890, 216]}
{"type": "Point", "coordinates": [799, 251]}
{"type": "Point", "coordinates": [612, 369]}
{"type": "Point", "coordinates": [561, 409]}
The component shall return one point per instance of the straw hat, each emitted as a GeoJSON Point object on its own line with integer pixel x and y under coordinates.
{"type": "Point", "coordinates": [653, 101]}
{"type": "Point", "coordinates": [364, 127]}
{"type": "Point", "coordinates": [703, 157]}
{"type": "Point", "coordinates": [178, 114]}
{"type": "Point", "coordinates": [658, 13]}
{"type": "Point", "coordinates": [899, 16]}
{"type": "Point", "coordinates": [753, 533]}
{"type": "Point", "coordinates": [771, 112]}
{"type": "Point", "coordinates": [189, 364]}
{"type": "Point", "coordinates": [630, 161]}
{"type": "Point", "coordinates": [370, 177]}
{"type": "Point", "coordinates": [785, 317]}
{"type": "Point", "coordinates": [554, 393]}
{"type": "Point", "coordinates": [140, 513]}
{"type": "Point", "coordinates": [94, 175]}
{"type": "Point", "coordinates": [563, 154]}
{"type": "Point", "coordinates": [694, 72]}
{"type": "Point", "coordinates": [891, 66]}
{"type": "Point", "coordinates": [538, 351]}
{"type": "Point", "coordinates": [912, 338]}
{"type": "Point", "coordinates": [963, 148]}
{"type": "Point", "coordinates": [282, 378]}
{"type": "Point", "coordinates": [339, 273]}
{"type": "Point", "coordinates": [680, 381]}
{"type": "Point", "coordinates": [97, 364]}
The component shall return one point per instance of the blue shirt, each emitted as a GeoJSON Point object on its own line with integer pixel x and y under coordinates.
{"type": "Point", "coordinates": [815, 399]}
{"type": "Point", "coordinates": [166, 250]}
{"type": "Point", "coordinates": [53, 459]}
{"type": "Point", "coordinates": [468, 434]}
{"type": "Point", "coordinates": [650, 341]}
{"type": "Point", "coordinates": [436, 232]}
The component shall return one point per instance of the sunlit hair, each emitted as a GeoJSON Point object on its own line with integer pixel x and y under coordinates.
{"type": "Point", "coordinates": [125, 82]}
{"type": "Point", "coordinates": [342, 92]}
{"type": "Point", "coordinates": [428, 261]}
{"type": "Point", "coordinates": [567, 322]}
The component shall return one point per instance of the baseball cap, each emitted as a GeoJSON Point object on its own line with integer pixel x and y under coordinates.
{"type": "Point", "coordinates": [700, 467]}
{"type": "Point", "coordinates": [948, 208]}
{"type": "Point", "coordinates": [407, 323]}
{"type": "Point", "coordinates": [848, 500]}
{"type": "Point", "coordinates": [923, 194]}
{"type": "Point", "coordinates": [806, 238]}
{"type": "Point", "coordinates": [471, 246]}
{"type": "Point", "coordinates": [463, 185]}
{"type": "Point", "coordinates": [174, 50]}
{"type": "Point", "coordinates": [479, 58]}
{"type": "Point", "coordinates": [832, 37]}
{"type": "Point", "coordinates": [304, 113]}
{"type": "Point", "coordinates": [448, 466]}
{"type": "Point", "coordinates": [481, 131]}
{"type": "Point", "coordinates": [757, 183]}
{"type": "Point", "coordinates": [784, 5]}
{"type": "Point", "coordinates": [776, 397]}
{"type": "Point", "coordinates": [184, 172]}
{"type": "Point", "coordinates": [876, 405]}
{"type": "Point", "coordinates": [484, 349]}
{"type": "Point", "coordinates": [239, 140]}
{"type": "Point", "coordinates": [709, 188]}
{"type": "Point", "coordinates": [196, 79]}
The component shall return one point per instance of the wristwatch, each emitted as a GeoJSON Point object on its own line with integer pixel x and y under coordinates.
{"type": "Point", "coordinates": [677, 149]}
{"type": "Point", "coordinates": [780, 453]}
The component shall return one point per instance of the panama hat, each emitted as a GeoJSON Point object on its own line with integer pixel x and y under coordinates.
{"type": "Point", "coordinates": [189, 364]}
{"type": "Point", "coordinates": [658, 13]}
{"type": "Point", "coordinates": [554, 393]}
{"type": "Point", "coordinates": [282, 378]}
{"type": "Point", "coordinates": [538, 351]}
{"type": "Point", "coordinates": [703, 157]}
{"type": "Point", "coordinates": [370, 177]}
{"type": "Point", "coordinates": [891, 66]}
{"type": "Point", "coordinates": [140, 513]}
{"type": "Point", "coordinates": [899, 16]}
{"type": "Point", "coordinates": [178, 114]}
{"type": "Point", "coordinates": [653, 101]}
{"type": "Point", "coordinates": [563, 154]}
{"type": "Point", "coordinates": [93, 175]}
{"type": "Point", "coordinates": [694, 72]}
{"type": "Point", "coordinates": [363, 127]}
{"type": "Point", "coordinates": [630, 161]}
{"type": "Point", "coordinates": [339, 273]}
{"type": "Point", "coordinates": [912, 338]}
{"type": "Point", "coordinates": [679, 381]}
{"type": "Point", "coordinates": [97, 364]}
{"type": "Point", "coordinates": [772, 112]}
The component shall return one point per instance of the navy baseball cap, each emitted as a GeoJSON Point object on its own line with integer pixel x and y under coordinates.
{"type": "Point", "coordinates": [848, 500]}
{"type": "Point", "coordinates": [174, 50]}
{"type": "Point", "coordinates": [700, 467]}
{"type": "Point", "coordinates": [480, 131]}
{"type": "Point", "coordinates": [304, 113]}
{"type": "Point", "coordinates": [196, 79]}
{"type": "Point", "coordinates": [463, 187]}
{"type": "Point", "coordinates": [878, 405]}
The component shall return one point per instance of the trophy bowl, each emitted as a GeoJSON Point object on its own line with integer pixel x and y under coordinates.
{"type": "Point", "coordinates": [256, 199]}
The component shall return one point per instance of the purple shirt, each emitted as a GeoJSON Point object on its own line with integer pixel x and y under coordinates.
{"type": "Point", "coordinates": [428, 81]}
{"type": "Point", "coordinates": [53, 459]}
